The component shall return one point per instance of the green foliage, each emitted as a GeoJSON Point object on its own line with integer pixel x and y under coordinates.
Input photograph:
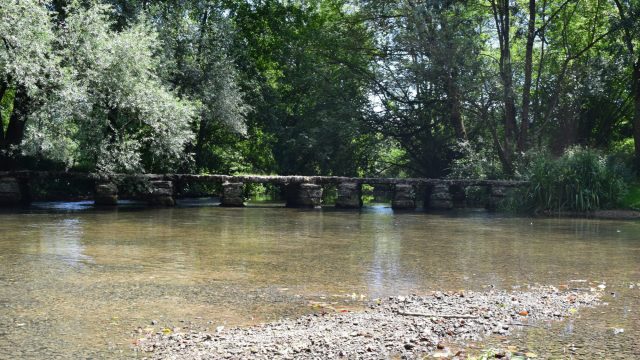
{"type": "Point", "coordinates": [632, 199]}
{"type": "Point", "coordinates": [92, 98]}
{"type": "Point", "coordinates": [475, 162]}
{"type": "Point", "coordinates": [302, 67]}
{"type": "Point", "coordinates": [623, 152]}
{"type": "Point", "coordinates": [367, 194]}
{"type": "Point", "coordinates": [6, 107]}
{"type": "Point", "coordinates": [27, 38]}
{"type": "Point", "coordinates": [580, 180]}
{"type": "Point", "coordinates": [329, 194]}
{"type": "Point", "coordinates": [196, 59]}
{"type": "Point", "coordinates": [386, 159]}
{"type": "Point", "coordinates": [428, 52]}
{"type": "Point", "coordinates": [331, 87]}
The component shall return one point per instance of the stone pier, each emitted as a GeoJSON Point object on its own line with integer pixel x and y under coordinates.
{"type": "Point", "coordinates": [161, 194]}
{"type": "Point", "coordinates": [300, 191]}
{"type": "Point", "coordinates": [232, 194]}
{"type": "Point", "coordinates": [496, 195]}
{"type": "Point", "coordinates": [404, 197]}
{"type": "Point", "coordinates": [458, 195]}
{"type": "Point", "coordinates": [14, 192]}
{"type": "Point", "coordinates": [440, 198]}
{"type": "Point", "coordinates": [303, 195]}
{"type": "Point", "coordinates": [349, 196]}
{"type": "Point", "coordinates": [106, 194]}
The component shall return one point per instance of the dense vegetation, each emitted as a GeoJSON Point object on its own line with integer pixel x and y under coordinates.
{"type": "Point", "coordinates": [489, 88]}
{"type": "Point", "coordinates": [579, 180]}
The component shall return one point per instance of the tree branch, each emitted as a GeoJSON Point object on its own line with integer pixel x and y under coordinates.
{"type": "Point", "coordinates": [552, 16]}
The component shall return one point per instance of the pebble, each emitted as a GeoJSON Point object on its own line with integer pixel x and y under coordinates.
{"type": "Point", "coordinates": [379, 332]}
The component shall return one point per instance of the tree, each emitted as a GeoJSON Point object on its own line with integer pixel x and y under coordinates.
{"type": "Point", "coordinates": [303, 67]}
{"type": "Point", "coordinates": [559, 34]}
{"type": "Point", "coordinates": [425, 70]}
{"type": "Point", "coordinates": [28, 68]}
{"type": "Point", "coordinates": [198, 40]}
{"type": "Point", "coordinates": [629, 13]}
{"type": "Point", "coordinates": [97, 103]}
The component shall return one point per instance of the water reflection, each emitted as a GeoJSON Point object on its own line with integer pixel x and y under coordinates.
{"type": "Point", "coordinates": [237, 266]}
{"type": "Point", "coordinates": [63, 240]}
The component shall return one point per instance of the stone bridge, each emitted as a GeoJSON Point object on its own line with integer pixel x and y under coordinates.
{"type": "Point", "coordinates": [300, 191]}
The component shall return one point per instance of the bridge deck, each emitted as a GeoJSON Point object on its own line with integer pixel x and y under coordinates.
{"type": "Point", "coordinates": [262, 179]}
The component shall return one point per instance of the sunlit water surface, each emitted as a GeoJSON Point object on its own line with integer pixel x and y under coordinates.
{"type": "Point", "coordinates": [76, 282]}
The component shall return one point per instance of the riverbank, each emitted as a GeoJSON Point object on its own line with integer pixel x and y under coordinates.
{"type": "Point", "coordinates": [407, 327]}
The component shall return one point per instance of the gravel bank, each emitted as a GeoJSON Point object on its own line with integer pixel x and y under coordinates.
{"type": "Point", "coordinates": [406, 327]}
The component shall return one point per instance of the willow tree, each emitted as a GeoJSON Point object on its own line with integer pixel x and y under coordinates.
{"type": "Point", "coordinates": [28, 67]}
{"type": "Point", "coordinates": [92, 98]}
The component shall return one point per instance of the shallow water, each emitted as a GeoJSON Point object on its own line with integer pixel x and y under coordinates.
{"type": "Point", "coordinates": [77, 281]}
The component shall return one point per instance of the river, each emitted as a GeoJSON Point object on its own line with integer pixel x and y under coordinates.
{"type": "Point", "coordinates": [77, 282]}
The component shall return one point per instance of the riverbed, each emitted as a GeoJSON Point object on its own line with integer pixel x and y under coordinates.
{"type": "Point", "coordinates": [76, 281]}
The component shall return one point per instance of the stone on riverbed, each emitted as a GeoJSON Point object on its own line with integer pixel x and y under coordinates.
{"type": "Point", "coordinates": [411, 327]}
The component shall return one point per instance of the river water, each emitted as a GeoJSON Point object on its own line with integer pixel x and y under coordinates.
{"type": "Point", "coordinates": [76, 282]}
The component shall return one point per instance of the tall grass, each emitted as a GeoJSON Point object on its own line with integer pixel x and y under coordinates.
{"type": "Point", "coordinates": [580, 180]}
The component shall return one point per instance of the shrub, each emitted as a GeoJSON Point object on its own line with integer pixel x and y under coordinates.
{"type": "Point", "coordinates": [632, 199]}
{"type": "Point", "coordinates": [475, 162]}
{"type": "Point", "coordinates": [580, 180]}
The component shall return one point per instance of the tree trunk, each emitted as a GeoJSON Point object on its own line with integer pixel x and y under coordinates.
{"type": "Point", "coordinates": [199, 146]}
{"type": "Point", "coordinates": [636, 113]}
{"type": "Point", "coordinates": [505, 160]}
{"type": "Point", "coordinates": [528, 70]}
{"type": "Point", "coordinates": [17, 120]}
{"type": "Point", "coordinates": [509, 104]}
{"type": "Point", "coordinates": [502, 18]}
{"type": "Point", "coordinates": [453, 97]}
